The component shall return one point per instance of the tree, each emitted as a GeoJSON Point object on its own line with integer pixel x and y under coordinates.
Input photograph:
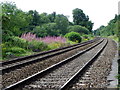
{"type": "Point", "coordinates": [79, 18]}
{"type": "Point", "coordinates": [39, 31]}
{"type": "Point", "coordinates": [79, 29]}
{"type": "Point", "coordinates": [14, 20]}
{"type": "Point", "coordinates": [97, 31]}
{"type": "Point", "coordinates": [89, 25]}
{"type": "Point", "coordinates": [35, 17]}
{"type": "Point", "coordinates": [52, 17]}
{"type": "Point", "coordinates": [110, 29]}
{"type": "Point", "coordinates": [51, 29]}
{"type": "Point", "coordinates": [44, 18]}
{"type": "Point", "coordinates": [62, 24]}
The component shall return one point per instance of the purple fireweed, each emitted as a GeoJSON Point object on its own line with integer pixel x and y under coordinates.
{"type": "Point", "coordinates": [48, 39]}
{"type": "Point", "coordinates": [28, 36]}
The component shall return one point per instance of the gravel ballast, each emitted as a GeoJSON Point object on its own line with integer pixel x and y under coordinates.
{"type": "Point", "coordinates": [56, 78]}
{"type": "Point", "coordinates": [21, 73]}
{"type": "Point", "coordinates": [96, 75]}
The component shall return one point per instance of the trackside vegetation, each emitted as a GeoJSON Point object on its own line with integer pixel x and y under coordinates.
{"type": "Point", "coordinates": [26, 33]}
{"type": "Point", "coordinates": [30, 32]}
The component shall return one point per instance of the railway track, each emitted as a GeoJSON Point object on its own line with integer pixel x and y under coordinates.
{"type": "Point", "coordinates": [95, 75]}
{"type": "Point", "coordinates": [25, 71]}
{"type": "Point", "coordinates": [10, 65]}
{"type": "Point", "coordinates": [59, 75]}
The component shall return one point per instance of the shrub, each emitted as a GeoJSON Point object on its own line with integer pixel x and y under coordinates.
{"type": "Point", "coordinates": [6, 34]}
{"type": "Point", "coordinates": [79, 29]}
{"type": "Point", "coordinates": [8, 50]}
{"type": "Point", "coordinates": [3, 50]}
{"type": "Point", "coordinates": [74, 36]}
{"type": "Point", "coordinates": [85, 36]}
{"type": "Point", "coordinates": [12, 52]}
{"type": "Point", "coordinates": [16, 50]}
{"type": "Point", "coordinates": [37, 46]}
{"type": "Point", "coordinates": [55, 45]}
{"type": "Point", "coordinates": [18, 42]}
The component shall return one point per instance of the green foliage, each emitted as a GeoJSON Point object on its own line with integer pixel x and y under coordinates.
{"type": "Point", "coordinates": [57, 27]}
{"type": "Point", "coordinates": [44, 18]}
{"type": "Point", "coordinates": [15, 22]}
{"type": "Point", "coordinates": [79, 18]}
{"type": "Point", "coordinates": [52, 17]}
{"type": "Point", "coordinates": [110, 29]}
{"type": "Point", "coordinates": [11, 52]}
{"type": "Point", "coordinates": [13, 19]}
{"type": "Point", "coordinates": [51, 29]}
{"type": "Point", "coordinates": [37, 46]}
{"type": "Point", "coordinates": [62, 24]}
{"type": "Point", "coordinates": [71, 42]}
{"type": "Point", "coordinates": [55, 45]}
{"type": "Point", "coordinates": [118, 29]}
{"type": "Point", "coordinates": [9, 48]}
{"type": "Point", "coordinates": [18, 42]}
{"type": "Point", "coordinates": [87, 37]}
{"type": "Point", "coordinates": [79, 29]}
{"type": "Point", "coordinates": [74, 36]}
{"type": "Point", "coordinates": [35, 20]}
{"type": "Point", "coordinates": [114, 38]}
{"type": "Point", "coordinates": [16, 50]}
{"type": "Point", "coordinates": [40, 29]}
{"type": "Point", "coordinates": [6, 35]}
{"type": "Point", "coordinates": [3, 50]}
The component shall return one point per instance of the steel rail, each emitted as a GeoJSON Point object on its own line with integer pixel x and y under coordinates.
{"type": "Point", "coordinates": [8, 68]}
{"type": "Point", "coordinates": [42, 53]}
{"type": "Point", "coordinates": [43, 72]}
{"type": "Point", "coordinates": [83, 69]}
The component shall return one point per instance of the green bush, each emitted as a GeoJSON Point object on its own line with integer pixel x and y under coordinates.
{"type": "Point", "coordinates": [16, 50]}
{"type": "Point", "coordinates": [85, 36]}
{"type": "Point", "coordinates": [79, 29]}
{"type": "Point", "coordinates": [37, 46]}
{"type": "Point", "coordinates": [6, 35]}
{"type": "Point", "coordinates": [56, 45]}
{"type": "Point", "coordinates": [3, 50]}
{"type": "Point", "coordinates": [74, 36]}
{"type": "Point", "coordinates": [18, 42]}
{"type": "Point", "coordinates": [12, 52]}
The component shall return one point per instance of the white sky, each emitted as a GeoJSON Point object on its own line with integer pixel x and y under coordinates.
{"type": "Point", "coordinates": [100, 12]}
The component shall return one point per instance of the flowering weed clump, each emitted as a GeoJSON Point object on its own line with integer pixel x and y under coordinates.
{"type": "Point", "coordinates": [29, 36]}
{"type": "Point", "coordinates": [52, 41]}
{"type": "Point", "coordinates": [48, 39]}
{"type": "Point", "coordinates": [29, 43]}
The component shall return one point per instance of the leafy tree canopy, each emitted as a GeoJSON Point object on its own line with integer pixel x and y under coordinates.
{"type": "Point", "coordinates": [111, 29]}
{"type": "Point", "coordinates": [79, 18]}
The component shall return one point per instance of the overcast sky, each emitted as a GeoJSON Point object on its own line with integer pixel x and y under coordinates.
{"type": "Point", "coordinates": [100, 12]}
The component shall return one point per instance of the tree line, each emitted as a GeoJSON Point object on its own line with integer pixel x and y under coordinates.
{"type": "Point", "coordinates": [113, 28]}
{"type": "Point", "coordinates": [15, 22]}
